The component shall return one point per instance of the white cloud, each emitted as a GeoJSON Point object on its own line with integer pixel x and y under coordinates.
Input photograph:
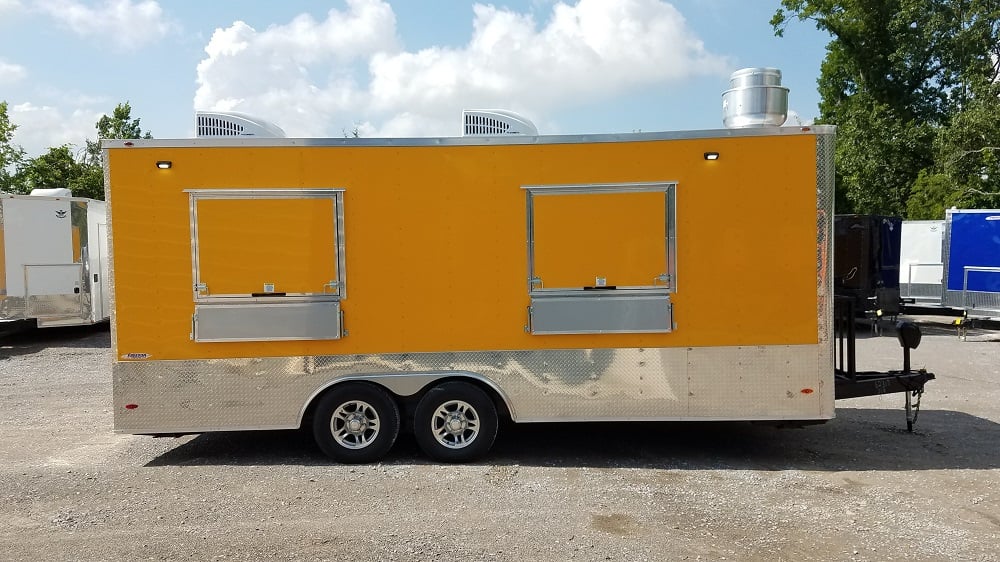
{"type": "Point", "coordinates": [7, 6]}
{"type": "Point", "coordinates": [128, 23]}
{"type": "Point", "coordinates": [10, 72]}
{"type": "Point", "coordinates": [296, 71]}
{"type": "Point", "coordinates": [316, 78]}
{"type": "Point", "coordinates": [40, 127]}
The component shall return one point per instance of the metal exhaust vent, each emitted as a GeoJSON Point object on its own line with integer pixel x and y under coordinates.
{"type": "Point", "coordinates": [231, 124]}
{"type": "Point", "coordinates": [755, 98]}
{"type": "Point", "coordinates": [492, 122]}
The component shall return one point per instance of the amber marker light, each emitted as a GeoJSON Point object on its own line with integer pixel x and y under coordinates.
{"type": "Point", "coordinates": [164, 164]}
{"type": "Point", "coordinates": [806, 391]}
{"type": "Point", "coordinates": [711, 156]}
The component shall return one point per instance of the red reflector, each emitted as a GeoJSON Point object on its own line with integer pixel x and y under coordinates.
{"type": "Point", "coordinates": [131, 406]}
{"type": "Point", "coordinates": [806, 391]}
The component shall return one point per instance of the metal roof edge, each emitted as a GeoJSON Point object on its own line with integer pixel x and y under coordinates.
{"type": "Point", "coordinates": [469, 141]}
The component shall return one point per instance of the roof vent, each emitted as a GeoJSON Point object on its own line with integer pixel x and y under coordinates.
{"type": "Point", "coordinates": [52, 192]}
{"type": "Point", "coordinates": [755, 98]}
{"type": "Point", "coordinates": [491, 122]}
{"type": "Point", "coordinates": [231, 124]}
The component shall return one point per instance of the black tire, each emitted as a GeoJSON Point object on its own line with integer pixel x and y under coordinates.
{"type": "Point", "coordinates": [362, 404]}
{"type": "Point", "coordinates": [471, 410]}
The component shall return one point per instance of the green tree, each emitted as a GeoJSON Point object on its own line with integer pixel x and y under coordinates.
{"type": "Point", "coordinates": [89, 183]}
{"type": "Point", "coordinates": [968, 150]}
{"type": "Point", "coordinates": [119, 125]}
{"type": "Point", "coordinates": [966, 171]}
{"type": "Point", "coordinates": [11, 155]}
{"type": "Point", "coordinates": [878, 156]}
{"type": "Point", "coordinates": [58, 168]}
{"type": "Point", "coordinates": [896, 74]}
{"type": "Point", "coordinates": [932, 194]}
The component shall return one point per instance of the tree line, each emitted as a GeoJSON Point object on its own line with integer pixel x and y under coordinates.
{"type": "Point", "coordinates": [912, 86]}
{"type": "Point", "coordinates": [80, 171]}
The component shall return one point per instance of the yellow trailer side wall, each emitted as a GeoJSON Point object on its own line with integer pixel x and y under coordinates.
{"type": "Point", "coordinates": [436, 242]}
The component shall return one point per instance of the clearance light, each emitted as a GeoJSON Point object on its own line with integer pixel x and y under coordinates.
{"type": "Point", "coordinates": [711, 156]}
{"type": "Point", "coordinates": [131, 406]}
{"type": "Point", "coordinates": [164, 164]}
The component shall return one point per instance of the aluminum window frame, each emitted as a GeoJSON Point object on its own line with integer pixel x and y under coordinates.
{"type": "Point", "coordinates": [336, 195]}
{"type": "Point", "coordinates": [668, 188]}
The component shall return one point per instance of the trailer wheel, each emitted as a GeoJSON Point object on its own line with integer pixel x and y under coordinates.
{"type": "Point", "coordinates": [356, 423]}
{"type": "Point", "coordinates": [455, 422]}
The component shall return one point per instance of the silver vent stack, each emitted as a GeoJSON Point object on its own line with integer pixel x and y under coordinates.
{"type": "Point", "coordinates": [755, 98]}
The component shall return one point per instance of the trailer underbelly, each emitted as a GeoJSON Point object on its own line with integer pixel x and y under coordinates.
{"type": "Point", "coordinates": [775, 382]}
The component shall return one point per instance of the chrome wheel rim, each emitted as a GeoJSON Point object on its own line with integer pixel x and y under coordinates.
{"type": "Point", "coordinates": [355, 424]}
{"type": "Point", "coordinates": [455, 424]}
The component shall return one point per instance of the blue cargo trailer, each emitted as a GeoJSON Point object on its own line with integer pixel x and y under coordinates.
{"type": "Point", "coordinates": [972, 260]}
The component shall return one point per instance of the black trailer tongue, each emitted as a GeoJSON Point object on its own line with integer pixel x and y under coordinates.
{"type": "Point", "coordinates": [851, 383]}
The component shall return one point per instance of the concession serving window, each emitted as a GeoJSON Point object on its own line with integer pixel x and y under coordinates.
{"type": "Point", "coordinates": [601, 258]}
{"type": "Point", "coordinates": [268, 264]}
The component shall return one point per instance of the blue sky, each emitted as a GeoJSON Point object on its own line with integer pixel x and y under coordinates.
{"type": "Point", "coordinates": [389, 67]}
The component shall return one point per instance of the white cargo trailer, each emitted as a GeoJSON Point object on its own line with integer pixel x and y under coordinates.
{"type": "Point", "coordinates": [53, 266]}
{"type": "Point", "coordinates": [920, 263]}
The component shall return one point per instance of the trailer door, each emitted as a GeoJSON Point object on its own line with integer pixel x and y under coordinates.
{"type": "Point", "coordinates": [44, 243]}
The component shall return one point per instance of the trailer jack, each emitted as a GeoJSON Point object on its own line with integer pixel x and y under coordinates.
{"type": "Point", "coordinates": [912, 409]}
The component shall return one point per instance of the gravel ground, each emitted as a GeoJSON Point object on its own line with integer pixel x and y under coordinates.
{"type": "Point", "coordinates": [856, 488]}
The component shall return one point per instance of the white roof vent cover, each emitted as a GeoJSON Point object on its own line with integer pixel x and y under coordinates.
{"type": "Point", "coordinates": [232, 124]}
{"type": "Point", "coordinates": [491, 122]}
{"type": "Point", "coordinates": [51, 192]}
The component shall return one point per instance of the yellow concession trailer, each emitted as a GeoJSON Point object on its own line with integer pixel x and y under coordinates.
{"type": "Point", "coordinates": [354, 285]}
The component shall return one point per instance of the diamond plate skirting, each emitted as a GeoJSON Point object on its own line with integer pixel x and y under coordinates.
{"type": "Point", "coordinates": [977, 303]}
{"type": "Point", "coordinates": [716, 383]}
{"type": "Point", "coordinates": [923, 292]}
{"type": "Point", "coordinates": [49, 310]}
